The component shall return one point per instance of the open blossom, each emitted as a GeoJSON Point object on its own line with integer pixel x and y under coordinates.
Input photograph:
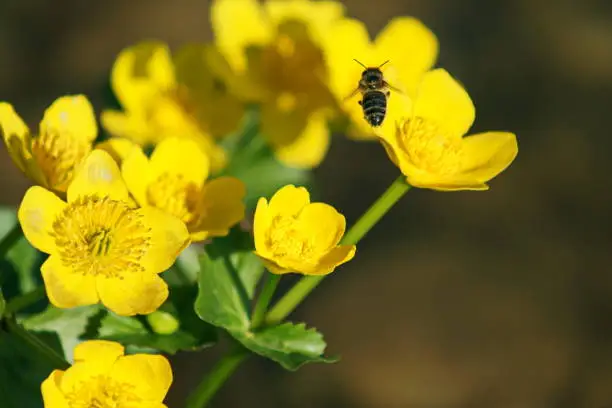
{"type": "Point", "coordinates": [428, 144]}
{"type": "Point", "coordinates": [294, 235]}
{"type": "Point", "coordinates": [101, 248]}
{"type": "Point", "coordinates": [276, 48]}
{"type": "Point", "coordinates": [406, 43]}
{"type": "Point", "coordinates": [51, 157]}
{"type": "Point", "coordinates": [103, 377]}
{"type": "Point", "coordinates": [173, 96]}
{"type": "Point", "coordinates": [175, 180]}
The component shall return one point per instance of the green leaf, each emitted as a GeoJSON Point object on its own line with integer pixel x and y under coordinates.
{"type": "Point", "coordinates": [290, 345]}
{"type": "Point", "coordinates": [2, 304]}
{"type": "Point", "coordinates": [22, 371]}
{"type": "Point", "coordinates": [68, 324]}
{"type": "Point", "coordinates": [190, 334]}
{"type": "Point", "coordinates": [227, 283]}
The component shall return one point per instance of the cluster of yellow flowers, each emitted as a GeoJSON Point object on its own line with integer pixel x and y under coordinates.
{"type": "Point", "coordinates": [112, 218]}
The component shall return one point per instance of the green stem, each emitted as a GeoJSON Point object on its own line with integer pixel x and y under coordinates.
{"type": "Point", "coordinates": [20, 302]}
{"type": "Point", "coordinates": [264, 300]}
{"type": "Point", "coordinates": [10, 239]}
{"type": "Point", "coordinates": [306, 285]}
{"type": "Point", "coordinates": [36, 344]}
{"type": "Point", "coordinates": [215, 379]}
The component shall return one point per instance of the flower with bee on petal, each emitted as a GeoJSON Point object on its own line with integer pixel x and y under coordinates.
{"type": "Point", "coordinates": [101, 248]}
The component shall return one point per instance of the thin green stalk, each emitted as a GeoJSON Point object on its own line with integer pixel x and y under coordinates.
{"type": "Point", "coordinates": [261, 307]}
{"type": "Point", "coordinates": [215, 379]}
{"type": "Point", "coordinates": [36, 344]}
{"type": "Point", "coordinates": [10, 239]}
{"type": "Point", "coordinates": [21, 302]}
{"type": "Point", "coordinates": [306, 285]}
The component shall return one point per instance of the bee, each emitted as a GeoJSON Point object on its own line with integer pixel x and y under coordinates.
{"type": "Point", "coordinates": [374, 93]}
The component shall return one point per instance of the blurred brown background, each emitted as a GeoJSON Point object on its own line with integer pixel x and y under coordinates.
{"type": "Point", "coordinates": [500, 299]}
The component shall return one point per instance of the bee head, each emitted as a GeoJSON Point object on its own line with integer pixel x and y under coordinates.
{"type": "Point", "coordinates": [372, 77]}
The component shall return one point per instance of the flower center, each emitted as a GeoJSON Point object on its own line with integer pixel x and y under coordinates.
{"type": "Point", "coordinates": [429, 147]}
{"type": "Point", "coordinates": [100, 236]}
{"type": "Point", "coordinates": [102, 392]}
{"type": "Point", "coordinates": [293, 67]}
{"type": "Point", "coordinates": [286, 241]}
{"type": "Point", "coordinates": [175, 195]}
{"type": "Point", "coordinates": [58, 156]}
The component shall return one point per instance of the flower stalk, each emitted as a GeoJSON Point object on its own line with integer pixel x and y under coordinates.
{"type": "Point", "coordinates": [36, 344]}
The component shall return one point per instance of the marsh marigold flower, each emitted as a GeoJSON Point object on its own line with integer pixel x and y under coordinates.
{"type": "Point", "coordinates": [428, 145]}
{"type": "Point", "coordinates": [174, 180]}
{"type": "Point", "coordinates": [51, 157]}
{"type": "Point", "coordinates": [100, 247]}
{"type": "Point", "coordinates": [276, 50]}
{"type": "Point", "coordinates": [409, 46]}
{"type": "Point", "coordinates": [180, 96]}
{"type": "Point", "coordinates": [103, 377]}
{"type": "Point", "coordinates": [294, 235]}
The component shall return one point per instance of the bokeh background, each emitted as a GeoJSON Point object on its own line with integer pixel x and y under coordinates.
{"type": "Point", "coordinates": [500, 299]}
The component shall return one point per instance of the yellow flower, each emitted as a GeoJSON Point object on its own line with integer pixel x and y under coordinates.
{"type": "Point", "coordinates": [184, 96]}
{"type": "Point", "coordinates": [118, 147]}
{"type": "Point", "coordinates": [409, 46]}
{"type": "Point", "coordinates": [174, 180]}
{"type": "Point", "coordinates": [65, 136]}
{"type": "Point", "coordinates": [294, 235]}
{"type": "Point", "coordinates": [103, 377]}
{"type": "Point", "coordinates": [277, 48]}
{"type": "Point", "coordinates": [100, 247]}
{"type": "Point", "coordinates": [428, 145]}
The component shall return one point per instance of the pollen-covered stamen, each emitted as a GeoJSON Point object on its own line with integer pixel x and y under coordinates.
{"type": "Point", "coordinates": [99, 236]}
{"type": "Point", "coordinates": [178, 196]}
{"type": "Point", "coordinates": [286, 241]}
{"type": "Point", "coordinates": [58, 156]}
{"type": "Point", "coordinates": [102, 392]}
{"type": "Point", "coordinates": [428, 147]}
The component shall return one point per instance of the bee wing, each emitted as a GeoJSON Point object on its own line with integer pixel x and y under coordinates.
{"type": "Point", "coordinates": [352, 94]}
{"type": "Point", "coordinates": [394, 89]}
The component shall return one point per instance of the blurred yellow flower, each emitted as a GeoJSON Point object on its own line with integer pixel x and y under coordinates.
{"type": "Point", "coordinates": [65, 136]}
{"type": "Point", "coordinates": [101, 248]}
{"type": "Point", "coordinates": [276, 50]}
{"type": "Point", "coordinates": [184, 96]}
{"type": "Point", "coordinates": [428, 145]}
{"type": "Point", "coordinates": [103, 377]}
{"type": "Point", "coordinates": [294, 235]}
{"type": "Point", "coordinates": [409, 46]}
{"type": "Point", "coordinates": [118, 147]}
{"type": "Point", "coordinates": [174, 180]}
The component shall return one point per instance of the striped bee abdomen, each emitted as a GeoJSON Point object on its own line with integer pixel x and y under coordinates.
{"type": "Point", "coordinates": [374, 105]}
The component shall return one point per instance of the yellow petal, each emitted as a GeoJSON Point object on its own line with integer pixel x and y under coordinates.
{"type": "Point", "coordinates": [137, 293]}
{"type": "Point", "coordinates": [15, 134]}
{"type": "Point", "coordinates": [71, 116]}
{"type": "Point", "coordinates": [226, 15]}
{"type": "Point", "coordinates": [223, 207]}
{"type": "Point", "coordinates": [333, 259]}
{"type": "Point", "coordinates": [65, 288]}
{"type": "Point", "coordinates": [452, 182]}
{"type": "Point", "coordinates": [273, 267]}
{"type": "Point", "coordinates": [485, 155]}
{"type": "Point", "coordinates": [149, 375]}
{"type": "Point", "coordinates": [119, 148]}
{"type": "Point", "coordinates": [410, 46]}
{"type": "Point", "coordinates": [318, 16]}
{"type": "Point", "coordinates": [99, 175]}
{"type": "Point", "coordinates": [107, 352]}
{"type": "Point", "coordinates": [51, 393]}
{"type": "Point", "coordinates": [141, 73]}
{"type": "Point", "coordinates": [289, 201]}
{"type": "Point", "coordinates": [136, 172]}
{"type": "Point", "coordinates": [182, 157]}
{"type": "Point", "coordinates": [169, 238]}
{"type": "Point", "coordinates": [323, 224]}
{"type": "Point", "coordinates": [37, 213]}
{"type": "Point", "coordinates": [127, 125]}
{"type": "Point", "coordinates": [441, 99]}
{"type": "Point", "coordinates": [261, 224]}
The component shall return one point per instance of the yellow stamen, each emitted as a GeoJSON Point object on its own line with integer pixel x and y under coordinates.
{"type": "Point", "coordinates": [177, 196]}
{"type": "Point", "coordinates": [286, 241]}
{"type": "Point", "coordinates": [100, 236]}
{"type": "Point", "coordinates": [102, 392]}
{"type": "Point", "coordinates": [429, 147]}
